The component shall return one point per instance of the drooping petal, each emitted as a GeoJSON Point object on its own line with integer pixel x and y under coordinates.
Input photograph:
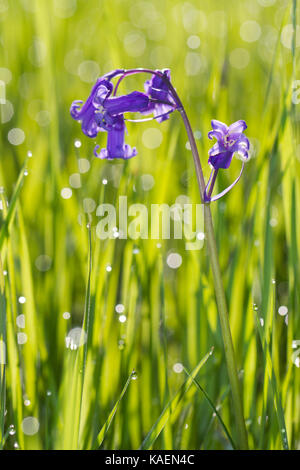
{"type": "Point", "coordinates": [116, 147]}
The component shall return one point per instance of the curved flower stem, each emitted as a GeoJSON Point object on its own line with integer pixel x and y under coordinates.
{"type": "Point", "coordinates": [220, 297]}
{"type": "Point", "coordinates": [219, 292]}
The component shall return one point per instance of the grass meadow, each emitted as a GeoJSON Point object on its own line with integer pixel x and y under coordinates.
{"type": "Point", "coordinates": [116, 343]}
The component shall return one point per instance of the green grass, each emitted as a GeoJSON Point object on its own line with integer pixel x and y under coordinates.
{"type": "Point", "coordinates": [85, 398]}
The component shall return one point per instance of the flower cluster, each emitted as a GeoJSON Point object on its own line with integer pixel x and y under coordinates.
{"type": "Point", "coordinates": [103, 111]}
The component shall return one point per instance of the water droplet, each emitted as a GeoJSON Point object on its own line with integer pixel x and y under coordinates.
{"type": "Point", "coordinates": [66, 315]}
{"type": "Point", "coordinates": [178, 368]}
{"type": "Point", "coordinates": [27, 402]}
{"type": "Point", "coordinates": [30, 425]}
{"type": "Point", "coordinates": [83, 165]}
{"type": "Point", "coordinates": [77, 144]}
{"type": "Point", "coordinates": [273, 281]}
{"type": "Point", "coordinates": [104, 181]}
{"type": "Point", "coordinates": [119, 308]}
{"type": "Point", "coordinates": [174, 260]}
{"type": "Point", "coordinates": [122, 318]}
{"type": "Point", "coordinates": [108, 268]}
{"type": "Point", "coordinates": [22, 338]}
{"type": "Point", "coordinates": [12, 430]}
{"type": "Point", "coordinates": [49, 393]}
{"type": "Point", "coordinates": [134, 375]}
{"type": "Point", "coordinates": [43, 263]}
{"type": "Point", "coordinates": [29, 154]}
{"type": "Point", "coordinates": [121, 344]}
{"type": "Point", "coordinates": [22, 299]}
{"type": "Point", "coordinates": [66, 193]}
{"type": "Point", "coordinates": [283, 310]}
{"type": "Point", "coordinates": [75, 338]}
{"type": "Point", "coordinates": [20, 320]}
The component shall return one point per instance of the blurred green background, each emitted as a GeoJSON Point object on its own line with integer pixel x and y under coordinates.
{"type": "Point", "coordinates": [228, 61]}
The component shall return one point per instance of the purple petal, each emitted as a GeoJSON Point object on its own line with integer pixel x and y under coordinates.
{"type": "Point", "coordinates": [116, 147]}
{"type": "Point", "coordinates": [219, 126]}
{"type": "Point", "coordinates": [217, 135]}
{"type": "Point", "coordinates": [220, 160]}
{"type": "Point", "coordinates": [217, 149]}
{"type": "Point", "coordinates": [236, 129]}
{"type": "Point", "coordinates": [133, 102]}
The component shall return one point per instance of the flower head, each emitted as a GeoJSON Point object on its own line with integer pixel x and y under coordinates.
{"type": "Point", "coordinates": [103, 111]}
{"type": "Point", "coordinates": [229, 141]}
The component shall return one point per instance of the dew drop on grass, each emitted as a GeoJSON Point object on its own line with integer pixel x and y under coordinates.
{"type": "Point", "coordinates": [283, 310]}
{"type": "Point", "coordinates": [178, 368]}
{"type": "Point", "coordinates": [66, 315]}
{"type": "Point", "coordinates": [108, 268]}
{"type": "Point", "coordinates": [174, 260]}
{"type": "Point", "coordinates": [75, 338]}
{"type": "Point", "coordinates": [83, 165]}
{"type": "Point", "coordinates": [77, 143]}
{"type": "Point", "coordinates": [29, 154]}
{"type": "Point", "coordinates": [66, 193]}
{"type": "Point", "coordinates": [134, 375]}
{"type": "Point", "coordinates": [22, 338]}
{"type": "Point", "coordinates": [12, 430]}
{"type": "Point", "coordinates": [121, 344]}
{"type": "Point", "coordinates": [119, 308]}
{"type": "Point", "coordinates": [20, 321]}
{"type": "Point", "coordinates": [22, 299]}
{"type": "Point", "coordinates": [122, 318]}
{"type": "Point", "coordinates": [43, 263]}
{"type": "Point", "coordinates": [30, 425]}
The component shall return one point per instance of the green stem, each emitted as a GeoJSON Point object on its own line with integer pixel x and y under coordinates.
{"type": "Point", "coordinates": [220, 296]}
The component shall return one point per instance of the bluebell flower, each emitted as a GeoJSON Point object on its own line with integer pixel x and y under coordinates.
{"type": "Point", "coordinates": [229, 141]}
{"type": "Point", "coordinates": [103, 111]}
